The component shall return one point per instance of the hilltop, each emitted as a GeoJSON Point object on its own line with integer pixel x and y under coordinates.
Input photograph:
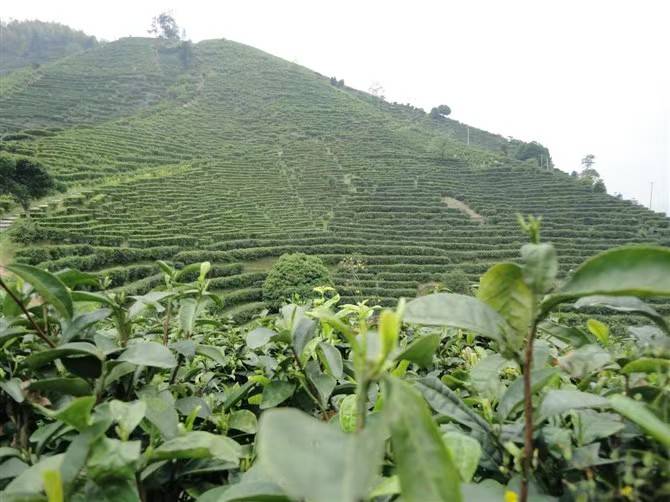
{"type": "Point", "coordinates": [217, 151]}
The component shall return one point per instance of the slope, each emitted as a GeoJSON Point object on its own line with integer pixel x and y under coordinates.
{"type": "Point", "coordinates": [222, 152]}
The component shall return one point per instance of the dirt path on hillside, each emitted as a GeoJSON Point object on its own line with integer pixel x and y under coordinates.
{"type": "Point", "coordinates": [463, 207]}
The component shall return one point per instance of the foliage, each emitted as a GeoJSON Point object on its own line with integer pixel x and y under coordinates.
{"type": "Point", "coordinates": [457, 281]}
{"type": "Point", "coordinates": [164, 26]}
{"type": "Point", "coordinates": [24, 179]}
{"type": "Point", "coordinates": [440, 112]}
{"type": "Point", "coordinates": [26, 43]}
{"type": "Point", "coordinates": [156, 397]}
{"type": "Point", "coordinates": [294, 275]}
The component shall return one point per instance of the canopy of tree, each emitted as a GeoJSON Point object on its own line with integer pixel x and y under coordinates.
{"type": "Point", "coordinates": [440, 111]}
{"type": "Point", "coordinates": [37, 42]}
{"type": "Point", "coordinates": [24, 179]}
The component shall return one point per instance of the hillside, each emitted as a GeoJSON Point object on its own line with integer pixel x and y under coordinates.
{"type": "Point", "coordinates": [217, 151]}
{"type": "Point", "coordinates": [26, 43]}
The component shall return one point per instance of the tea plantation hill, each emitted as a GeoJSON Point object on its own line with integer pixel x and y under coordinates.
{"type": "Point", "coordinates": [217, 151]}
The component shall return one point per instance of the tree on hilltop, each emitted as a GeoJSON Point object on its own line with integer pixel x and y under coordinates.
{"type": "Point", "coordinates": [440, 112]}
{"type": "Point", "coordinates": [589, 176]}
{"type": "Point", "coordinates": [165, 26]}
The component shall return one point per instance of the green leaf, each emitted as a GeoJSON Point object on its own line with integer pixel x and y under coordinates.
{"type": "Point", "coordinates": [566, 334]}
{"type": "Point", "coordinates": [188, 311]}
{"type": "Point", "coordinates": [211, 352]}
{"type": "Point", "coordinates": [49, 287]}
{"type": "Point", "coordinates": [161, 412]}
{"type": "Point", "coordinates": [457, 311]}
{"type": "Point", "coordinates": [31, 480]}
{"type": "Point", "coordinates": [423, 463]}
{"type": "Point", "coordinates": [73, 349]}
{"type": "Point", "coordinates": [13, 388]}
{"type": "Point", "coordinates": [69, 386]}
{"type": "Point", "coordinates": [72, 278]}
{"type": "Point", "coordinates": [82, 322]}
{"type": "Point", "coordinates": [465, 452]}
{"type": "Point", "coordinates": [628, 271]}
{"type": "Point", "coordinates": [113, 459]}
{"type": "Point", "coordinates": [502, 288]}
{"type": "Point", "coordinates": [640, 414]}
{"type": "Point", "coordinates": [275, 393]}
{"type": "Point", "coordinates": [76, 413]}
{"type": "Point", "coordinates": [513, 396]}
{"type": "Point", "coordinates": [149, 354]}
{"type": "Point", "coordinates": [389, 331]}
{"type": "Point", "coordinates": [600, 330]}
{"type": "Point", "coordinates": [85, 296]}
{"type": "Point", "coordinates": [646, 365]}
{"type": "Point", "coordinates": [556, 402]}
{"type": "Point", "coordinates": [313, 460]}
{"type": "Point", "coordinates": [199, 444]}
{"type": "Point", "coordinates": [629, 304]}
{"type": "Point", "coordinates": [259, 337]}
{"type": "Point", "coordinates": [348, 413]}
{"type": "Point", "coordinates": [592, 425]}
{"type": "Point", "coordinates": [243, 420]}
{"type": "Point", "coordinates": [303, 331]}
{"type": "Point", "coordinates": [421, 350]}
{"type": "Point", "coordinates": [322, 382]}
{"type": "Point", "coordinates": [485, 376]}
{"type": "Point", "coordinates": [331, 359]}
{"type": "Point", "coordinates": [585, 361]}
{"type": "Point", "coordinates": [540, 266]}
{"type": "Point", "coordinates": [127, 415]}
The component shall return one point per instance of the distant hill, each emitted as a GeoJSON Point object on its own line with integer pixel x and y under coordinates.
{"type": "Point", "coordinates": [218, 151]}
{"type": "Point", "coordinates": [26, 43]}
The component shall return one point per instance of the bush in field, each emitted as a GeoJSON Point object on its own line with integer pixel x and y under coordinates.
{"type": "Point", "coordinates": [24, 179]}
{"type": "Point", "coordinates": [457, 281]}
{"type": "Point", "coordinates": [294, 274]}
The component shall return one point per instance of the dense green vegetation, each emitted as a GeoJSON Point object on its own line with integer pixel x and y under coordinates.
{"type": "Point", "coordinates": [25, 43]}
{"type": "Point", "coordinates": [238, 157]}
{"type": "Point", "coordinates": [448, 397]}
{"type": "Point", "coordinates": [200, 314]}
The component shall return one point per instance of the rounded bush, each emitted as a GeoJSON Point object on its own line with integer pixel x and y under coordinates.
{"type": "Point", "coordinates": [294, 274]}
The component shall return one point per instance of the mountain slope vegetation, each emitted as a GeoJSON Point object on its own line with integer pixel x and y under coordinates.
{"type": "Point", "coordinates": [217, 151]}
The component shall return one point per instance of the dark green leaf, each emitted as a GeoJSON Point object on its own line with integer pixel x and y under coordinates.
{"type": "Point", "coordinates": [13, 388]}
{"type": "Point", "coordinates": [82, 322]}
{"type": "Point", "coordinates": [76, 413]}
{"type": "Point", "coordinates": [331, 358]}
{"type": "Point", "coordinates": [513, 397]}
{"type": "Point", "coordinates": [199, 444]}
{"type": "Point", "coordinates": [421, 350]}
{"type": "Point", "coordinates": [629, 304]}
{"type": "Point", "coordinates": [313, 460]}
{"type": "Point", "coordinates": [69, 386]}
{"type": "Point", "coordinates": [638, 413]}
{"type": "Point", "coordinates": [423, 463]}
{"type": "Point", "coordinates": [540, 266]}
{"type": "Point", "coordinates": [259, 337]}
{"type": "Point", "coordinates": [73, 349]}
{"type": "Point", "coordinates": [30, 481]}
{"type": "Point", "coordinates": [303, 331]}
{"type": "Point", "coordinates": [646, 365]}
{"type": "Point", "coordinates": [628, 271]}
{"type": "Point", "coordinates": [49, 287]}
{"type": "Point", "coordinates": [502, 288]}
{"type": "Point", "coordinates": [556, 402]}
{"type": "Point", "coordinates": [458, 311]}
{"type": "Point", "coordinates": [465, 452]}
{"type": "Point", "coordinates": [149, 354]}
{"type": "Point", "coordinates": [275, 393]}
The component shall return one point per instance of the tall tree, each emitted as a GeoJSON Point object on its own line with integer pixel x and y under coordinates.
{"type": "Point", "coordinates": [165, 26]}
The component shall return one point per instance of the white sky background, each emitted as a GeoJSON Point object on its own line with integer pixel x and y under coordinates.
{"type": "Point", "coordinates": [580, 77]}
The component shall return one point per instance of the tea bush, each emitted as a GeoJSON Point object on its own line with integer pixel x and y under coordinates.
{"type": "Point", "coordinates": [447, 397]}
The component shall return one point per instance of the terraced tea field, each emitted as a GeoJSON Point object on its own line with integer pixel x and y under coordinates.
{"type": "Point", "coordinates": [234, 156]}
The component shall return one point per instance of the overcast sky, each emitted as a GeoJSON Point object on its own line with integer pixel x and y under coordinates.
{"type": "Point", "coordinates": [580, 77]}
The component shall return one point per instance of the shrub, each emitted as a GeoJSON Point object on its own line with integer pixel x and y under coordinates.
{"type": "Point", "coordinates": [457, 281]}
{"type": "Point", "coordinates": [294, 274]}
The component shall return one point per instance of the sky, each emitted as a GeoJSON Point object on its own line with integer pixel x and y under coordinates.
{"type": "Point", "coordinates": [581, 77]}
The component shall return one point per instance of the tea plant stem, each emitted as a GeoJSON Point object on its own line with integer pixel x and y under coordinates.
{"type": "Point", "coordinates": [166, 324]}
{"type": "Point", "coordinates": [361, 403]}
{"type": "Point", "coordinates": [528, 413]}
{"type": "Point", "coordinates": [308, 386]}
{"type": "Point", "coordinates": [39, 331]}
